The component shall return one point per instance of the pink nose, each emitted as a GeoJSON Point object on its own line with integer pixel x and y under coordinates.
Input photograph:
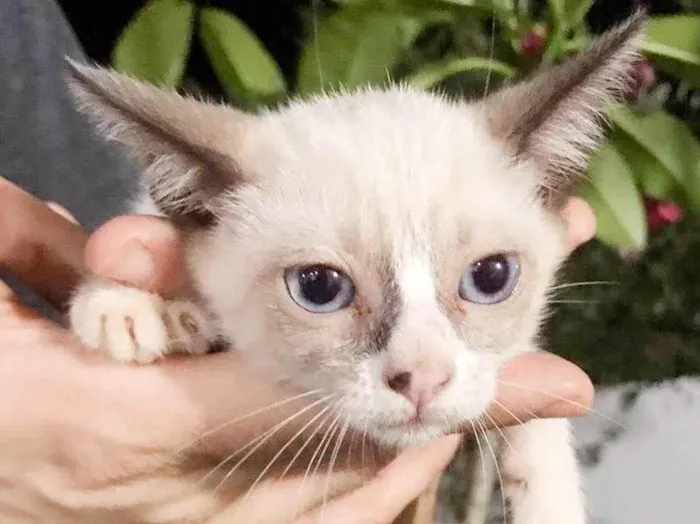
{"type": "Point", "coordinates": [420, 388]}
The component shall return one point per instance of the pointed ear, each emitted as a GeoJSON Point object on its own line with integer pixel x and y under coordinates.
{"type": "Point", "coordinates": [555, 119]}
{"type": "Point", "coordinates": [186, 146]}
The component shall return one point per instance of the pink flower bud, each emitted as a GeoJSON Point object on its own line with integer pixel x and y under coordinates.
{"type": "Point", "coordinates": [661, 212]}
{"type": "Point", "coordinates": [642, 77]}
{"type": "Point", "coordinates": [532, 44]}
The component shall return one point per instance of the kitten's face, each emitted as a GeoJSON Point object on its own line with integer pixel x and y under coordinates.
{"type": "Point", "coordinates": [388, 252]}
{"type": "Point", "coordinates": [388, 248]}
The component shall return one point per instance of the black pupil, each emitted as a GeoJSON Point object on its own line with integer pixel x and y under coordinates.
{"type": "Point", "coordinates": [320, 284]}
{"type": "Point", "coordinates": [491, 274]}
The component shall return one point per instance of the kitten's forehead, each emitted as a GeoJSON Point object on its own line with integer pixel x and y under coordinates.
{"type": "Point", "coordinates": [376, 166]}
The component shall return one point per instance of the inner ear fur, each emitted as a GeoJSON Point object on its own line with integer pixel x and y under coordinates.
{"type": "Point", "coordinates": [556, 119]}
{"type": "Point", "coordinates": [186, 146]}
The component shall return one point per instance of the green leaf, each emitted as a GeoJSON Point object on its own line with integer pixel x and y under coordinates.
{"type": "Point", "coordinates": [485, 6]}
{"type": "Point", "coordinates": [352, 47]}
{"type": "Point", "coordinates": [569, 13]}
{"type": "Point", "coordinates": [155, 44]}
{"type": "Point", "coordinates": [244, 67]}
{"type": "Point", "coordinates": [690, 5]}
{"type": "Point", "coordinates": [649, 173]}
{"type": "Point", "coordinates": [617, 203]}
{"type": "Point", "coordinates": [504, 10]}
{"type": "Point", "coordinates": [673, 43]}
{"type": "Point", "coordinates": [669, 141]}
{"type": "Point", "coordinates": [432, 74]}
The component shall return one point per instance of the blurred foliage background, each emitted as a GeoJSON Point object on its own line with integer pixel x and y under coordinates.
{"type": "Point", "coordinates": [629, 306]}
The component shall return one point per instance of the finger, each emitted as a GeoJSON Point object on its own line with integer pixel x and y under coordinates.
{"type": "Point", "coordinates": [581, 222]}
{"type": "Point", "coordinates": [141, 251]}
{"type": "Point", "coordinates": [6, 292]}
{"type": "Point", "coordinates": [540, 385]}
{"type": "Point", "coordinates": [39, 246]}
{"type": "Point", "coordinates": [383, 499]}
{"type": "Point", "coordinates": [529, 385]}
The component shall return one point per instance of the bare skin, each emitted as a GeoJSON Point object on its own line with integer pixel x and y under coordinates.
{"type": "Point", "coordinates": [89, 420]}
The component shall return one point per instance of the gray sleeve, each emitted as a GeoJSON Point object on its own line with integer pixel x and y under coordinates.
{"type": "Point", "coordinates": [46, 147]}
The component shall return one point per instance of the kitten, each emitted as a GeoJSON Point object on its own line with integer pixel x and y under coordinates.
{"type": "Point", "coordinates": [391, 247]}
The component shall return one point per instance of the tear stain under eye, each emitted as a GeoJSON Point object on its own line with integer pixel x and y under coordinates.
{"type": "Point", "coordinates": [388, 314]}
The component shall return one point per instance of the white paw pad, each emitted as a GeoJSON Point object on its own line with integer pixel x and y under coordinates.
{"type": "Point", "coordinates": [135, 326]}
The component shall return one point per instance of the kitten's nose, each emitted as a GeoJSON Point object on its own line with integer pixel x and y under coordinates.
{"type": "Point", "coordinates": [419, 387]}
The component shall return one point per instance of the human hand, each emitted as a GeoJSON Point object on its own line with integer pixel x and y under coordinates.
{"type": "Point", "coordinates": [89, 421]}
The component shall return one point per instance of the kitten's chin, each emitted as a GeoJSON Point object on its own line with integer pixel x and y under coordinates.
{"type": "Point", "coordinates": [401, 437]}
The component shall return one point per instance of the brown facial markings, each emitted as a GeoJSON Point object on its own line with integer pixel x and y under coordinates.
{"type": "Point", "coordinates": [452, 307]}
{"type": "Point", "coordinates": [383, 321]}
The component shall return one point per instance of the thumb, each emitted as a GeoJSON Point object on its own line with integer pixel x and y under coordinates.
{"type": "Point", "coordinates": [140, 251]}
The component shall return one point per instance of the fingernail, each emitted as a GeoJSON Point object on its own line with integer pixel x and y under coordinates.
{"type": "Point", "coordinates": [62, 211]}
{"type": "Point", "coordinates": [132, 264]}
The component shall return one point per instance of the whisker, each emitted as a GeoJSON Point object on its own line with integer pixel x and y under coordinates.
{"type": "Point", "coordinates": [580, 284]}
{"type": "Point", "coordinates": [245, 417]}
{"type": "Point", "coordinates": [492, 48]}
{"type": "Point", "coordinates": [233, 455]}
{"type": "Point", "coordinates": [270, 434]}
{"type": "Point", "coordinates": [318, 448]}
{"type": "Point", "coordinates": [505, 408]}
{"type": "Point", "coordinates": [473, 496]}
{"type": "Point", "coordinates": [282, 449]}
{"type": "Point", "coordinates": [481, 451]}
{"type": "Point", "coordinates": [317, 47]}
{"type": "Point", "coordinates": [334, 456]}
{"type": "Point", "coordinates": [336, 426]}
{"type": "Point", "coordinates": [351, 444]}
{"type": "Point", "coordinates": [306, 443]}
{"type": "Point", "coordinates": [563, 399]}
{"type": "Point", "coordinates": [364, 438]}
{"type": "Point", "coordinates": [588, 302]}
{"type": "Point", "coordinates": [498, 469]}
{"type": "Point", "coordinates": [497, 428]}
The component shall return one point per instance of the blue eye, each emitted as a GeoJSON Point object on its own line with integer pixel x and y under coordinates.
{"type": "Point", "coordinates": [490, 280]}
{"type": "Point", "coordinates": [319, 288]}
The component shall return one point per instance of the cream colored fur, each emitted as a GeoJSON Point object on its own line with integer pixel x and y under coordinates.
{"type": "Point", "coordinates": [392, 182]}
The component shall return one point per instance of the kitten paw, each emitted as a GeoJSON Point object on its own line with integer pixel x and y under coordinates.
{"type": "Point", "coordinates": [132, 325]}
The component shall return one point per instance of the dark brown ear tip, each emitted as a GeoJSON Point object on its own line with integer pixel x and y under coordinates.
{"type": "Point", "coordinates": [637, 22]}
{"type": "Point", "coordinates": [73, 66]}
{"type": "Point", "coordinates": [78, 72]}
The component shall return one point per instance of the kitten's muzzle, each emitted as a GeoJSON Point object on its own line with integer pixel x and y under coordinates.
{"type": "Point", "coordinates": [420, 387]}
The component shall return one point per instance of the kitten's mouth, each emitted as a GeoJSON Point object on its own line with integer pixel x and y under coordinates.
{"type": "Point", "coordinates": [417, 420]}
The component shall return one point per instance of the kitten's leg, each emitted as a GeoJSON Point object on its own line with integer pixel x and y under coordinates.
{"type": "Point", "coordinates": [132, 325]}
{"type": "Point", "coordinates": [541, 474]}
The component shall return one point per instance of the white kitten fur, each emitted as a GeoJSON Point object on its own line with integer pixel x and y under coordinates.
{"type": "Point", "coordinates": [406, 190]}
{"type": "Point", "coordinates": [402, 191]}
